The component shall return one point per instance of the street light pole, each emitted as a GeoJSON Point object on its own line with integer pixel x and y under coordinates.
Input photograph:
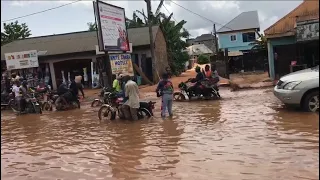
{"type": "Point", "coordinates": [153, 57]}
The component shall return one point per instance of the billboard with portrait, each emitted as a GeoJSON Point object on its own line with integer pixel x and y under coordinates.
{"type": "Point", "coordinates": [111, 24]}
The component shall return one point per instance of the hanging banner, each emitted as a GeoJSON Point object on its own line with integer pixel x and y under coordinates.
{"type": "Point", "coordinates": [112, 31]}
{"type": "Point", "coordinates": [121, 63]}
{"type": "Point", "coordinates": [22, 60]}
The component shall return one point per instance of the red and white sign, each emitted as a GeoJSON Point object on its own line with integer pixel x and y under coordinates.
{"type": "Point", "coordinates": [112, 27]}
{"type": "Point", "coordinates": [21, 60]}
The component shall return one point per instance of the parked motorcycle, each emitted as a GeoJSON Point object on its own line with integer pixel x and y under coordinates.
{"type": "Point", "coordinates": [110, 111]}
{"type": "Point", "coordinates": [66, 101]}
{"type": "Point", "coordinates": [6, 99]}
{"type": "Point", "coordinates": [191, 89]}
{"type": "Point", "coordinates": [103, 97]}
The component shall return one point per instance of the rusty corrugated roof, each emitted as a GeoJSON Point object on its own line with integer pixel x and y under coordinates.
{"type": "Point", "coordinates": [308, 9]}
{"type": "Point", "coordinates": [73, 42]}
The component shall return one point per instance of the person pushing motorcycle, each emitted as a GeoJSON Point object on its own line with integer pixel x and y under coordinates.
{"type": "Point", "coordinates": [131, 105]}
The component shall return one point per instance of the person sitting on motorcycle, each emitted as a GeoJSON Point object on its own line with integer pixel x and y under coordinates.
{"type": "Point", "coordinates": [214, 75]}
{"type": "Point", "coordinates": [197, 80]}
{"type": "Point", "coordinates": [23, 90]}
{"type": "Point", "coordinates": [116, 83]}
{"type": "Point", "coordinates": [130, 107]}
{"type": "Point", "coordinates": [207, 72]}
{"type": "Point", "coordinates": [74, 89]}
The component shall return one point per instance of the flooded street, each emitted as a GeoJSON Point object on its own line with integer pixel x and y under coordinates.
{"type": "Point", "coordinates": [247, 135]}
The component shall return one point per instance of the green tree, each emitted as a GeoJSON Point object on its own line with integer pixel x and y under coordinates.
{"type": "Point", "coordinates": [173, 33]}
{"type": "Point", "coordinates": [14, 31]}
{"type": "Point", "coordinates": [92, 26]}
{"type": "Point", "coordinates": [203, 59]}
{"type": "Point", "coordinates": [260, 44]}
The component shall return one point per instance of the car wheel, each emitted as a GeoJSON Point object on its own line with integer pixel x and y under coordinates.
{"type": "Point", "coordinates": [311, 102]}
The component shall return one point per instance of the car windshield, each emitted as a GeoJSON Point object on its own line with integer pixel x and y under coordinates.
{"type": "Point", "coordinates": [316, 68]}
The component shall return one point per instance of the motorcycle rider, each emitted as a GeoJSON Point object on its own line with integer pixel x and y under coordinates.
{"type": "Point", "coordinates": [23, 90]}
{"type": "Point", "coordinates": [207, 71]}
{"type": "Point", "coordinates": [197, 80]}
{"type": "Point", "coordinates": [17, 95]}
{"type": "Point", "coordinates": [214, 75]}
{"type": "Point", "coordinates": [116, 83]}
{"type": "Point", "coordinates": [131, 105]}
{"type": "Point", "coordinates": [165, 89]}
{"type": "Point", "coordinates": [74, 89]}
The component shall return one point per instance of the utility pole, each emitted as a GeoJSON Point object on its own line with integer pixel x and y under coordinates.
{"type": "Point", "coordinates": [216, 40]}
{"type": "Point", "coordinates": [153, 57]}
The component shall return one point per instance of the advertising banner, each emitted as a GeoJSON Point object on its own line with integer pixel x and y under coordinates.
{"type": "Point", "coordinates": [121, 63]}
{"type": "Point", "coordinates": [112, 31]}
{"type": "Point", "coordinates": [21, 60]}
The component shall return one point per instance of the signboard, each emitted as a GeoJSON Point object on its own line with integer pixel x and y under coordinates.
{"type": "Point", "coordinates": [112, 31]}
{"type": "Point", "coordinates": [21, 60]}
{"type": "Point", "coordinates": [121, 63]}
{"type": "Point", "coordinates": [307, 31]}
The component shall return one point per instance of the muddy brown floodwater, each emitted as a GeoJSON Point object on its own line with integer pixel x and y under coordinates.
{"type": "Point", "coordinates": [247, 135]}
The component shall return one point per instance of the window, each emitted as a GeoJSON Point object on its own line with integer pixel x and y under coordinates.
{"type": "Point", "coordinates": [233, 37]}
{"type": "Point", "coordinates": [248, 37]}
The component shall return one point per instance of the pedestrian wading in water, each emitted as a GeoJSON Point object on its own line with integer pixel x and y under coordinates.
{"type": "Point", "coordinates": [165, 91]}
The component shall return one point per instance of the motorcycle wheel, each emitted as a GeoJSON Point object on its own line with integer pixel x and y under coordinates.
{"type": "Point", "coordinates": [47, 106]}
{"type": "Point", "coordinates": [14, 106]}
{"type": "Point", "coordinates": [178, 96]}
{"type": "Point", "coordinates": [37, 109]}
{"type": "Point", "coordinates": [143, 113]}
{"type": "Point", "coordinates": [106, 112]}
{"type": "Point", "coordinates": [59, 104]}
{"type": "Point", "coordinates": [96, 103]}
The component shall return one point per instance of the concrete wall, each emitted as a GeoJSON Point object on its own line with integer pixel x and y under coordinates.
{"type": "Point", "coordinates": [237, 45]}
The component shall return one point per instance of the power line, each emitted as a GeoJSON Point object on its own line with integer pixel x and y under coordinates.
{"type": "Point", "coordinates": [200, 15]}
{"type": "Point", "coordinates": [170, 13]}
{"type": "Point", "coordinates": [42, 11]}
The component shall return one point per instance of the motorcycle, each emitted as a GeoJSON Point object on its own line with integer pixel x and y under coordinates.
{"type": "Point", "coordinates": [103, 97]}
{"type": "Point", "coordinates": [106, 110]}
{"type": "Point", "coordinates": [48, 101]}
{"type": "Point", "coordinates": [6, 99]}
{"type": "Point", "coordinates": [32, 105]}
{"type": "Point", "coordinates": [191, 89]}
{"type": "Point", "coordinates": [66, 101]}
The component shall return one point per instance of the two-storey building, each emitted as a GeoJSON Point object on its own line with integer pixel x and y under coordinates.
{"type": "Point", "coordinates": [237, 36]}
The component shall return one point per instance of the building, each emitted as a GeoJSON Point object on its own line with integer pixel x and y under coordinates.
{"type": "Point", "coordinates": [206, 39]}
{"type": "Point", "coordinates": [78, 50]}
{"type": "Point", "coordinates": [237, 36]}
{"type": "Point", "coordinates": [239, 33]}
{"type": "Point", "coordinates": [294, 39]}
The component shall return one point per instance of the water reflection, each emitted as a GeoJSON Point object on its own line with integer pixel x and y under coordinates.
{"type": "Point", "coordinates": [247, 135]}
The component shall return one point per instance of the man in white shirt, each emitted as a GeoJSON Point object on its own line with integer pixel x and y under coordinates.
{"type": "Point", "coordinates": [131, 106]}
{"type": "Point", "coordinates": [17, 94]}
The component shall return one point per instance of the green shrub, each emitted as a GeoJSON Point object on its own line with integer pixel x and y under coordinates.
{"type": "Point", "coordinates": [203, 59]}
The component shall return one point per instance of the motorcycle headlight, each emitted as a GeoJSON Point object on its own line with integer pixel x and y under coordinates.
{"type": "Point", "coordinates": [291, 85]}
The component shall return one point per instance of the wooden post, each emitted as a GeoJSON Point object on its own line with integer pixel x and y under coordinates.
{"type": "Point", "coordinates": [216, 41]}
{"type": "Point", "coordinates": [153, 57]}
{"type": "Point", "coordinates": [226, 59]}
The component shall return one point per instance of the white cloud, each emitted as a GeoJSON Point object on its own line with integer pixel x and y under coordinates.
{"type": "Point", "coordinates": [221, 12]}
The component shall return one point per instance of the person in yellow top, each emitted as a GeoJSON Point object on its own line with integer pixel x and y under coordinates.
{"type": "Point", "coordinates": [116, 83]}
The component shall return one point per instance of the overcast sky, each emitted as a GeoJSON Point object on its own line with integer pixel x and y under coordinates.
{"type": "Point", "coordinates": [74, 17]}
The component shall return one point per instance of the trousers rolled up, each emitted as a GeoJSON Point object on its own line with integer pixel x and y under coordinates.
{"type": "Point", "coordinates": [129, 113]}
{"type": "Point", "coordinates": [167, 100]}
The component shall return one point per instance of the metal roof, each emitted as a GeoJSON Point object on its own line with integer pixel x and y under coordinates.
{"type": "Point", "coordinates": [307, 10]}
{"type": "Point", "coordinates": [73, 42]}
{"type": "Point", "coordinates": [245, 20]}
{"type": "Point", "coordinates": [198, 49]}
